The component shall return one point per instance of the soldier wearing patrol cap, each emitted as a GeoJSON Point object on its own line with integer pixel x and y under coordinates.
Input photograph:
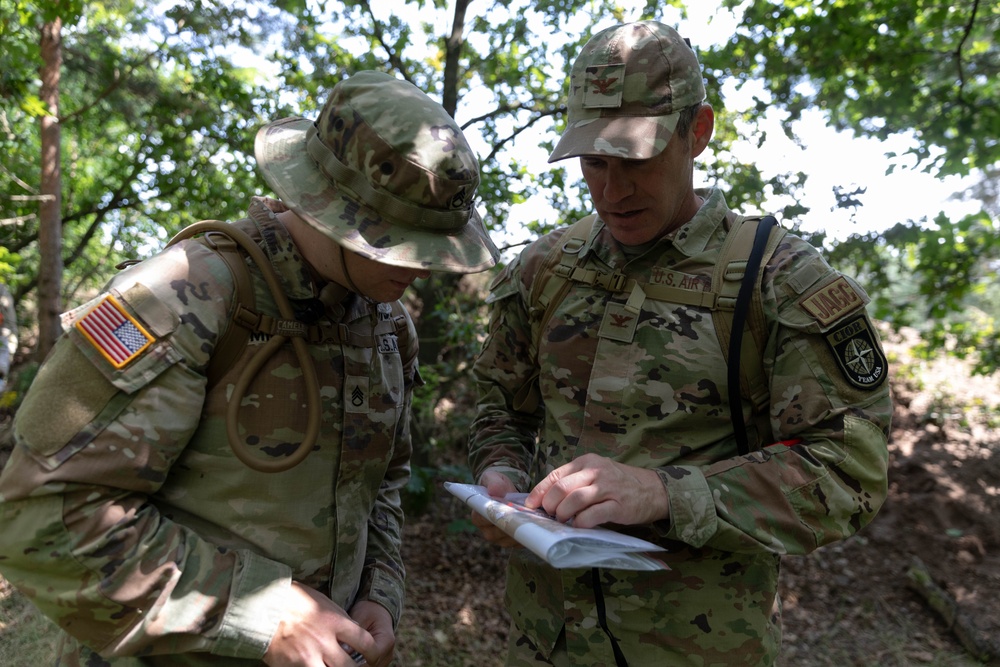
{"type": "Point", "coordinates": [161, 516]}
{"type": "Point", "coordinates": [616, 409]}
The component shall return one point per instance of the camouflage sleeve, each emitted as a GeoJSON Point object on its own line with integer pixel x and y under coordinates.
{"type": "Point", "coordinates": [383, 578]}
{"type": "Point", "coordinates": [77, 533]}
{"type": "Point", "coordinates": [503, 437]}
{"type": "Point", "coordinates": [830, 411]}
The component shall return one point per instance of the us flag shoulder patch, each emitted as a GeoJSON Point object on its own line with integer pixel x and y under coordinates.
{"type": "Point", "coordinates": [117, 335]}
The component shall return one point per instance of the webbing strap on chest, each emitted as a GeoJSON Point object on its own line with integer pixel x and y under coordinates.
{"type": "Point", "coordinates": [250, 321]}
{"type": "Point", "coordinates": [234, 339]}
{"type": "Point", "coordinates": [358, 335]}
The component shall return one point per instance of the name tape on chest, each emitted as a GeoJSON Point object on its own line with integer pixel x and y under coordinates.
{"type": "Point", "coordinates": [118, 336]}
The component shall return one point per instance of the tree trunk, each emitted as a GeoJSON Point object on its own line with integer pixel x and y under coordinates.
{"type": "Point", "coordinates": [50, 209]}
{"type": "Point", "coordinates": [453, 52]}
{"type": "Point", "coordinates": [432, 330]}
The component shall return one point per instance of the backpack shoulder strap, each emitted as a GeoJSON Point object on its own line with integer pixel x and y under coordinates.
{"type": "Point", "coordinates": [235, 338]}
{"type": "Point", "coordinates": [288, 328]}
{"type": "Point", "coordinates": [558, 263]}
{"type": "Point", "coordinates": [548, 288]}
{"type": "Point", "coordinates": [749, 246]}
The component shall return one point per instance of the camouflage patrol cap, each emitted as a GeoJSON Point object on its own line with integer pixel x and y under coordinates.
{"type": "Point", "coordinates": [626, 89]}
{"type": "Point", "coordinates": [384, 171]}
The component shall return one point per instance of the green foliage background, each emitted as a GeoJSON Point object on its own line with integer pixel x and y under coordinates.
{"type": "Point", "coordinates": [160, 104]}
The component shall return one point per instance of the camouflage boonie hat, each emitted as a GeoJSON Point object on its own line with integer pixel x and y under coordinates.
{"type": "Point", "coordinates": [384, 171]}
{"type": "Point", "coordinates": [625, 91]}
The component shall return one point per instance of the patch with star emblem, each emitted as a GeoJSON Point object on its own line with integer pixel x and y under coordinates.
{"type": "Point", "coordinates": [858, 353]}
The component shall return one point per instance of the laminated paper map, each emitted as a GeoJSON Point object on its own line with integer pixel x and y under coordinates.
{"type": "Point", "coordinates": [559, 544]}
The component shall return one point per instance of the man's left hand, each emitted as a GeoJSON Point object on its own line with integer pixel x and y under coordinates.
{"type": "Point", "coordinates": [593, 490]}
{"type": "Point", "coordinates": [376, 619]}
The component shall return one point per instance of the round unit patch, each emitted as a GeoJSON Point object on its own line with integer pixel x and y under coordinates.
{"type": "Point", "coordinates": [858, 353]}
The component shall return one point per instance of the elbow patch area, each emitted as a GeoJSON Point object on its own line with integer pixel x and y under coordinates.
{"type": "Point", "coordinates": [848, 498]}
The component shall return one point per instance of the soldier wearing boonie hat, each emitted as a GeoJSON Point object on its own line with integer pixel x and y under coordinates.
{"type": "Point", "coordinates": [618, 406]}
{"type": "Point", "coordinates": [384, 173]}
{"type": "Point", "coordinates": [156, 505]}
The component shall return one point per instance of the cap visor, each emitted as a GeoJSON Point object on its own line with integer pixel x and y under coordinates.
{"type": "Point", "coordinates": [626, 137]}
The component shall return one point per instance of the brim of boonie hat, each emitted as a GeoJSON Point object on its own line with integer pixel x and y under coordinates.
{"type": "Point", "coordinates": [626, 137]}
{"type": "Point", "coordinates": [285, 163]}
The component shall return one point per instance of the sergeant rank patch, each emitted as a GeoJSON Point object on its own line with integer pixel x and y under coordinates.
{"type": "Point", "coordinates": [858, 353]}
{"type": "Point", "coordinates": [117, 335]}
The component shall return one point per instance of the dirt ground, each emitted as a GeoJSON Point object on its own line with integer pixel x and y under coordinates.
{"type": "Point", "coordinates": [849, 604]}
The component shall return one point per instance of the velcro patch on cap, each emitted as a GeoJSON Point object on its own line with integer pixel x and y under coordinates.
{"type": "Point", "coordinates": [858, 353]}
{"type": "Point", "coordinates": [118, 336]}
{"type": "Point", "coordinates": [604, 86]}
{"type": "Point", "coordinates": [832, 301]}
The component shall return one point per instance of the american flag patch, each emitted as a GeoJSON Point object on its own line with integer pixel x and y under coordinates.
{"type": "Point", "coordinates": [116, 334]}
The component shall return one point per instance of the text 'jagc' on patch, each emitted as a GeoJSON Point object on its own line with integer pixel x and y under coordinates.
{"type": "Point", "coordinates": [833, 301]}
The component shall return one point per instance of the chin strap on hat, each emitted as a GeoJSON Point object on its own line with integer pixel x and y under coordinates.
{"type": "Point", "coordinates": [249, 372]}
{"type": "Point", "coordinates": [347, 274]}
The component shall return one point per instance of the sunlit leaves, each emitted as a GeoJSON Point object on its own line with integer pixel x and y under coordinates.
{"type": "Point", "coordinates": [881, 67]}
{"type": "Point", "coordinates": [160, 104]}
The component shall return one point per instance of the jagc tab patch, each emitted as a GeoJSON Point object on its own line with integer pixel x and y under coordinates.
{"type": "Point", "coordinates": [117, 335]}
{"type": "Point", "coordinates": [858, 353]}
{"type": "Point", "coordinates": [832, 301]}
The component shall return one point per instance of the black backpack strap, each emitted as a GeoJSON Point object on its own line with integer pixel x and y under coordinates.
{"type": "Point", "coordinates": [747, 288]}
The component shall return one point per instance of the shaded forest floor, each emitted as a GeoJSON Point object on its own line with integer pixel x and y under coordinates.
{"type": "Point", "coordinates": [847, 605]}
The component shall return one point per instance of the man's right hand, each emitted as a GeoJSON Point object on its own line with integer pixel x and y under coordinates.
{"type": "Point", "coordinates": [312, 631]}
{"type": "Point", "coordinates": [497, 486]}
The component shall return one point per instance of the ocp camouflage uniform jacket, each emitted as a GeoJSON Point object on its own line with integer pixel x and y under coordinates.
{"type": "Point", "coordinates": [657, 399]}
{"type": "Point", "coordinates": [127, 519]}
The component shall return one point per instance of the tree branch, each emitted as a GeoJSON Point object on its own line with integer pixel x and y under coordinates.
{"type": "Point", "coordinates": [394, 58]}
{"type": "Point", "coordinates": [961, 45]}
{"type": "Point", "coordinates": [17, 220]}
{"type": "Point", "coordinates": [453, 51]}
{"type": "Point", "coordinates": [519, 130]}
{"type": "Point", "coordinates": [116, 83]}
{"type": "Point", "coordinates": [17, 180]}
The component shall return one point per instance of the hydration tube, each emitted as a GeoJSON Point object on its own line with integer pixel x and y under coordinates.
{"type": "Point", "coordinates": [249, 372]}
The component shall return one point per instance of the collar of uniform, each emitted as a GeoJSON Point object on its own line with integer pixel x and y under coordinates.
{"type": "Point", "coordinates": [693, 237]}
{"type": "Point", "coordinates": [293, 273]}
